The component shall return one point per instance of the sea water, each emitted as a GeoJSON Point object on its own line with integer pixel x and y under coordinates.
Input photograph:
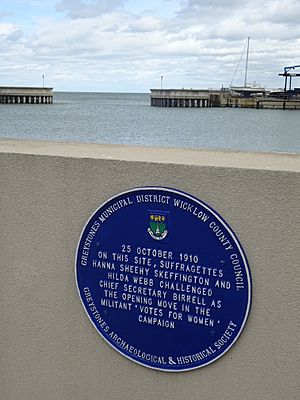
{"type": "Point", "coordinates": [128, 118]}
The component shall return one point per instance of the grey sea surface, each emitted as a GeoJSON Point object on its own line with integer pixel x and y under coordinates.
{"type": "Point", "coordinates": [128, 118]}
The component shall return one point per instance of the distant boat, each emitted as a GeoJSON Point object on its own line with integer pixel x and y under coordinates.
{"type": "Point", "coordinates": [248, 89]}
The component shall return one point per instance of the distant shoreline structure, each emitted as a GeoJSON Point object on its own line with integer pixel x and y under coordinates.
{"type": "Point", "coordinates": [26, 95]}
{"type": "Point", "coordinates": [246, 96]}
{"type": "Point", "coordinates": [235, 97]}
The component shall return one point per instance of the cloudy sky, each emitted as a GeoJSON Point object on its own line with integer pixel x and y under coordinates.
{"type": "Point", "coordinates": [127, 45]}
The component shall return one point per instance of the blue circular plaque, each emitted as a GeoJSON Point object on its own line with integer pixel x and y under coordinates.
{"type": "Point", "coordinates": [163, 279]}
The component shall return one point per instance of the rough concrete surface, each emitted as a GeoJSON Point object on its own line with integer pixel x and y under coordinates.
{"type": "Point", "coordinates": [49, 349]}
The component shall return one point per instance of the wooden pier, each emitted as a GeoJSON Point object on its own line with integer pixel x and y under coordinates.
{"type": "Point", "coordinates": [25, 95]}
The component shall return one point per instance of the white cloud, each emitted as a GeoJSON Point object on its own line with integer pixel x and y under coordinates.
{"type": "Point", "coordinates": [7, 29]}
{"type": "Point", "coordinates": [100, 45]}
{"type": "Point", "coordinates": [146, 23]}
{"type": "Point", "coordinates": [87, 8]}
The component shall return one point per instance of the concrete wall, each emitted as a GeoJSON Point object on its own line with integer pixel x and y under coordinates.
{"type": "Point", "coordinates": [25, 91]}
{"type": "Point", "coordinates": [221, 98]}
{"type": "Point", "coordinates": [48, 348]}
{"type": "Point", "coordinates": [25, 95]}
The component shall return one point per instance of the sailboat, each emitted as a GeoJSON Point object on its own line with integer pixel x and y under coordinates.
{"type": "Point", "coordinates": [248, 89]}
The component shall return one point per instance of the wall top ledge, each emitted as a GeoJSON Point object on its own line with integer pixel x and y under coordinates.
{"type": "Point", "coordinates": [215, 158]}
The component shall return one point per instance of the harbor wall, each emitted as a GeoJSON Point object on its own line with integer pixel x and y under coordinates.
{"type": "Point", "coordinates": [25, 95]}
{"type": "Point", "coordinates": [193, 98]}
{"type": "Point", "coordinates": [49, 349]}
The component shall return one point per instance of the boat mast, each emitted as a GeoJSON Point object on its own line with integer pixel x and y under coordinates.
{"type": "Point", "coordinates": [247, 57]}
